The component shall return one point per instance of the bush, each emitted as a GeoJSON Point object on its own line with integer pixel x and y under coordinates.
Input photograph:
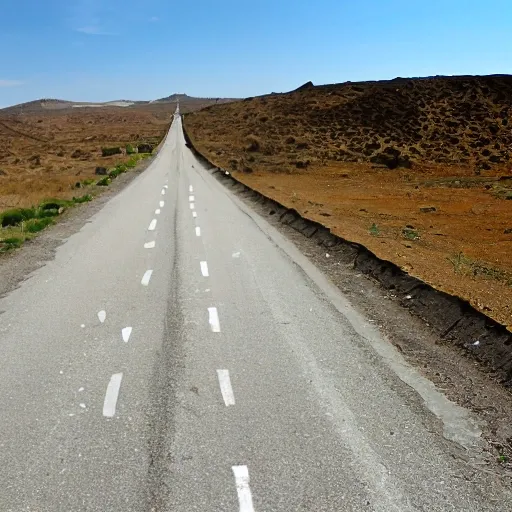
{"type": "Point", "coordinates": [104, 182]}
{"type": "Point", "coordinates": [83, 199]}
{"type": "Point", "coordinates": [10, 243]}
{"type": "Point", "coordinates": [110, 151]}
{"type": "Point", "coordinates": [130, 150]}
{"type": "Point", "coordinates": [17, 216]}
{"type": "Point", "coordinates": [36, 225]}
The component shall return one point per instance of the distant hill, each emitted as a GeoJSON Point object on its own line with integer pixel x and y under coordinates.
{"type": "Point", "coordinates": [45, 104]}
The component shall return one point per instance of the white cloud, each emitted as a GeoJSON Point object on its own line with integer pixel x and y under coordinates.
{"type": "Point", "coordinates": [154, 18]}
{"type": "Point", "coordinates": [10, 83]}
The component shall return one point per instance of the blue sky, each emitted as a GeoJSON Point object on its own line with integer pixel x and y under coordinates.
{"type": "Point", "coordinates": [98, 50]}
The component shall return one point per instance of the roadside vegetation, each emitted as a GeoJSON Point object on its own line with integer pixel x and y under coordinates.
{"type": "Point", "coordinates": [18, 225]}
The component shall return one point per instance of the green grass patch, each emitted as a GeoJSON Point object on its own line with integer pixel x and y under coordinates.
{"type": "Point", "coordinates": [130, 150]}
{"type": "Point", "coordinates": [374, 230]}
{"type": "Point", "coordinates": [104, 182]}
{"type": "Point", "coordinates": [88, 182]}
{"type": "Point", "coordinates": [410, 234]}
{"type": "Point", "coordinates": [36, 225]}
{"type": "Point", "coordinates": [8, 244]}
{"type": "Point", "coordinates": [83, 199]}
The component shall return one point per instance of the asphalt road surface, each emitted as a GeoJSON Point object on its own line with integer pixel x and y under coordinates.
{"type": "Point", "coordinates": [179, 354]}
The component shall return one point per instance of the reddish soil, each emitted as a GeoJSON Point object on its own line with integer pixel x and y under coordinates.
{"type": "Point", "coordinates": [366, 173]}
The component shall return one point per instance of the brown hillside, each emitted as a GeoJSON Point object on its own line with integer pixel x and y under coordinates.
{"type": "Point", "coordinates": [417, 170]}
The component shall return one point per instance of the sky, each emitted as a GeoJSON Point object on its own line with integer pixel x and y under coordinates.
{"type": "Point", "coordinates": [100, 50]}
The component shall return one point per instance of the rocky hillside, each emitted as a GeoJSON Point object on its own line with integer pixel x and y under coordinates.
{"type": "Point", "coordinates": [464, 121]}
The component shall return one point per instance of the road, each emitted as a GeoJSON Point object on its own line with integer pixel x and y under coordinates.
{"type": "Point", "coordinates": [180, 354]}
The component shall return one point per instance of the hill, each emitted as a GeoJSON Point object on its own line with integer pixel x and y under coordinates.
{"type": "Point", "coordinates": [417, 170]}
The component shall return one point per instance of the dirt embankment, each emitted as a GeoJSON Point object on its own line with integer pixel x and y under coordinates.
{"type": "Point", "coordinates": [416, 170]}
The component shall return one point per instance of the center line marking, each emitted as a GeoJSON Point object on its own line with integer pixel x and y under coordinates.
{"type": "Point", "coordinates": [102, 315]}
{"type": "Point", "coordinates": [204, 268]}
{"type": "Point", "coordinates": [152, 226]}
{"type": "Point", "coordinates": [157, 211]}
{"type": "Point", "coordinates": [162, 204]}
{"type": "Point", "coordinates": [191, 188]}
{"type": "Point", "coordinates": [225, 387]}
{"type": "Point", "coordinates": [192, 206]}
{"type": "Point", "coordinates": [163, 191]}
{"type": "Point", "coordinates": [166, 187]}
{"type": "Point", "coordinates": [194, 214]}
{"type": "Point", "coordinates": [191, 199]}
{"type": "Point", "coordinates": [146, 277]}
{"type": "Point", "coordinates": [213, 319]}
{"type": "Point", "coordinates": [126, 333]}
{"type": "Point", "coordinates": [242, 488]}
{"type": "Point", "coordinates": [198, 231]}
{"type": "Point", "coordinates": [109, 405]}
{"type": "Point", "coordinates": [150, 245]}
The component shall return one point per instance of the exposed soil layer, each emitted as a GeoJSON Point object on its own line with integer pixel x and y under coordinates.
{"type": "Point", "coordinates": [446, 221]}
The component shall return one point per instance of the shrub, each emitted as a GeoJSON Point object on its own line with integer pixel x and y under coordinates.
{"type": "Point", "coordinates": [110, 151]}
{"type": "Point", "coordinates": [104, 182]}
{"type": "Point", "coordinates": [15, 217]}
{"type": "Point", "coordinates": [83, 199]}
{"type": "Point", "coordinates": [36, 225]}
{"type": "Point", "coordinates": [145, 148]}
{"type": "Point", "coordinates": [130, 150]}
{"type": "Point", "coordinates": [10, 243]}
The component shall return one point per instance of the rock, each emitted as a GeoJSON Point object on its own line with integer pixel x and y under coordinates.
{"type": "Point", "coordinates": [427, 209]}
{"type": "Point", "coordinates": [101, 171]}
{"type": "Point", "coordinates": [507, 231]}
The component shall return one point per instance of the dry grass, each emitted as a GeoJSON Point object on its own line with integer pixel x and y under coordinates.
{"type": "Point", "coordinates": [45, 154]}
{"type": "Point", "coordinates": [313, 155]}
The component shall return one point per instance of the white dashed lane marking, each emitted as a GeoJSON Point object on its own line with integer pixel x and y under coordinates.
{"type": "Point", "coordinates": [150, 245]}
{"type": "Point", "coordinates": [166, 187]}
{"type": "Point", "coordinates": [109, 405]}
{"type": "Point", "coordinates": [204, 268]}
{"type": "Point", "coordinates": [191, 188]}
{"type": "Point", "coordinates": [194, 214]}
{"type": "Point", "coordinates": [192, 206]}
{"type": "Point", "coordinates": [157, 211]}
{"type": "Point", "coordinates": [126, 333]}
{"type": "Point", "coordinates": [191, 199]}
{"type": "Point", "coordinates": [162, 204]}
{"type": "Point", "coordinates": [242, 488]}
{"type": "Point", "coordinates": [213, 319]}
{"type": "Point", "coordinates": [163, 191]}
{"type": "Point", "coordinates": [225, 387]}
{"type": "Point", "coordinates": [146, 277]}
{"type": "Point", "coordinates": [152, 226]}
{"type": "Point", "coordinates": [102, 315]}
{"type": "Point", "coordinates": [198, 231]}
